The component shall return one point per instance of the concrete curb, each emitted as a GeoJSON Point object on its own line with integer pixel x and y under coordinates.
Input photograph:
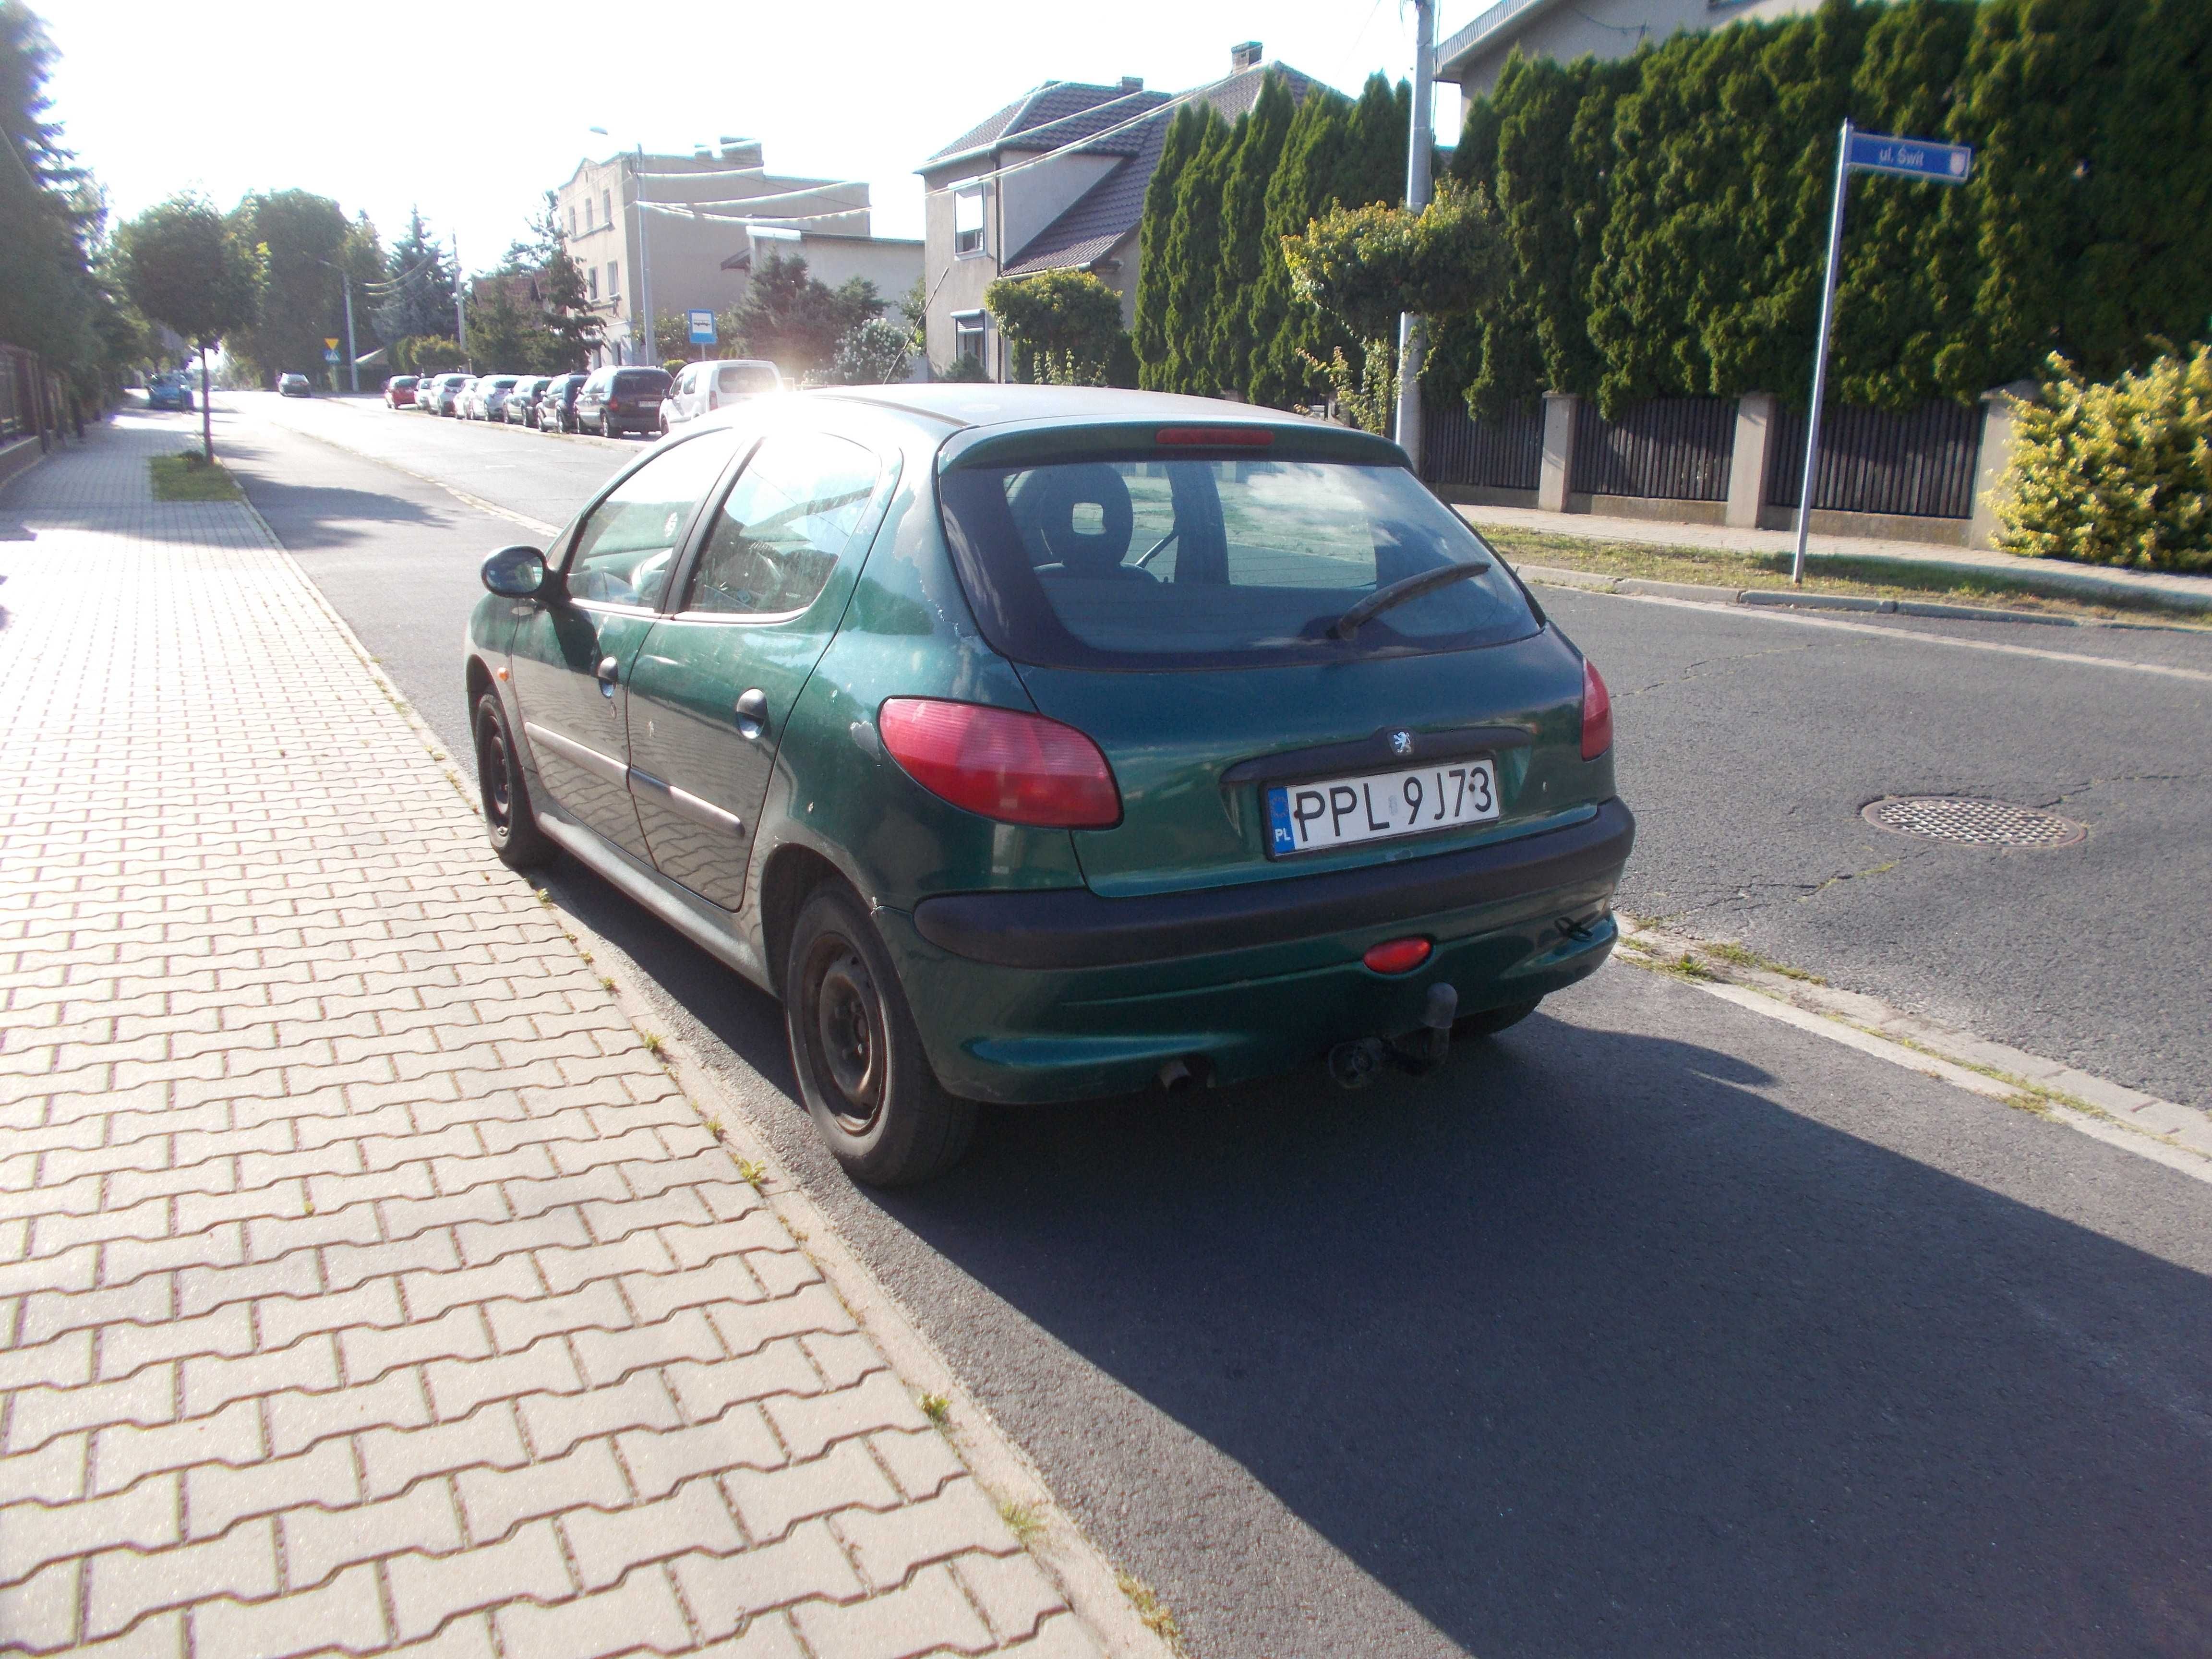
{"type": "Point", "coordinates": [1786, 598]}
{"type": "Point", "coordinates": [2163, 1130]}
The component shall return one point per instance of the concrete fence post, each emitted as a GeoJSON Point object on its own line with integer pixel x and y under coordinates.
{"type": "Point", "coordinates": [1552, 482]}
{"type": "Point", "coordinates": [1995, 456]}
{"type": "Point", "coordinates": [1754, 436]}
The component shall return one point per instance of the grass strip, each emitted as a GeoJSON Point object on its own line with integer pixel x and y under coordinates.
{"type": "Point", "coordinates": [190, 476]}
{"type": "Point", "coordinates": [1874, 579]}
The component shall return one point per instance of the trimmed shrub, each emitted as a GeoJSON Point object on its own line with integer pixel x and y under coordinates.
{"type": "Point", "coordinates": [2116, 473]}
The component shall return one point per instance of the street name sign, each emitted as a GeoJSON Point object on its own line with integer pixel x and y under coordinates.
{"type": "Point", "coordinates": [1911, 158]}
{"type": "Point", "coordinates": [1861, 152]}
{"type": "Point", "coordinates": [702, 327]}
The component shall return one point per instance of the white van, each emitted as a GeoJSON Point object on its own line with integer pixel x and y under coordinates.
{"type": "Point", "coordinates": [716, 384]}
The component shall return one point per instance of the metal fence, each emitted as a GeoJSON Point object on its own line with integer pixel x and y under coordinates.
{"type": "Point", "coordinates": [1920, 464]}
{"type": "Point", "coordinates": [21, 408]}
{"type": "Point", "coordinates": [1506, 454]}
{"type": "Point", "coordinates": [1671, 449]}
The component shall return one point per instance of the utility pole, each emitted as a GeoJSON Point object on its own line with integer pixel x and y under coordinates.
{"type": "Point", "coordinates": [644, 305]}
{"type": "Point", "coordinates": [460, 310]}
{"type": "Point", "coordinates": [1419, 150]}
{"type": "Point", "coordinates": [353, 357]}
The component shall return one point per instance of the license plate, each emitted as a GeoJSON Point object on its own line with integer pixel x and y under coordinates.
{"type": "Point", "coordinates": [1305, 817]}
{"type": "Point", "coordinates": [648, 403]}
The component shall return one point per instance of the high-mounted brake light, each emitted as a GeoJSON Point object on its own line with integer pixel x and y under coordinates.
{"type": "Point", "coordinates": [1001, 763]}
{"type": "Point", "coordinates": [1597, 713]}
{"type": "Point", "coordinates": [1216, 437]}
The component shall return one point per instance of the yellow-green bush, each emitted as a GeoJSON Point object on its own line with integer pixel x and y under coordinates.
{"type": "Point", "coordinates": [2116, 473]}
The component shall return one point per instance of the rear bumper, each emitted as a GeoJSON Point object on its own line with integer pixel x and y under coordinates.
{"type": "Point", "coordinates": [1074, 927]}
{"type": "Point", "coordinates": [1061, 995]}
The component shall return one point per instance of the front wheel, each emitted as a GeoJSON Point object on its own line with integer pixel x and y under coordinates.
{"type": "Point", "coordinates": [861, 1071]}
{"type": "Point", "coordinates": [515, 837]}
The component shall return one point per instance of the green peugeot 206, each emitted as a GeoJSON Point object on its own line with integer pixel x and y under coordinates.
{"type": "Point", "coordinates": [1040, 744]}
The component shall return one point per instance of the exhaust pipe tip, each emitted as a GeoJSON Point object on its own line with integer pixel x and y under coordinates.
{"type": "Point", "coordinates": [1355, 1065]}
{"type": "Point", "coordinates": [1176, 1077]}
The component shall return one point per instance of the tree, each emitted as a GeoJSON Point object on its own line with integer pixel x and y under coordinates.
{"type": "Point", "coordinates": [1286, 334]}
{"type": "Point", "coordinates": [1060, 315]}
{"type": "Point", "coordinates": [1372, 167]}
{"type": "Point", "coordinates": [55, 298]}
{"type": "Point", "coordinates": [1234, 339]}
{"type": "Point", "coordinates": [874, 354]}
{"type": "Point", "coordinates": [417, 288]}
{"type": "Point", "coordinates": [1184, 133]}
{"type": "Point", "coordinates": [573, 327]}
{"type": "Point", "coordinates": [796, 321]}
{"type": "Point", "coordinates": [505, 332]}
{"type": "Point", "coordinates": [1193, 265]}
{"type": "Point", "coordinates": [185, 269]}
{"type": "Point", "coordinates": [307, 241]}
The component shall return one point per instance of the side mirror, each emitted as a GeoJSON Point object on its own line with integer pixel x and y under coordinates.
{"type": "Point", "coordinates": [515, 573]}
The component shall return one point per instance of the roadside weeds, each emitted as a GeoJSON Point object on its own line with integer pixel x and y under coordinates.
{"type": "Point", "coordinates": [187, 476]}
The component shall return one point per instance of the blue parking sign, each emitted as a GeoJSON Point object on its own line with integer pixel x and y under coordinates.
{"type": "Point", "coordinates": [702, 327]}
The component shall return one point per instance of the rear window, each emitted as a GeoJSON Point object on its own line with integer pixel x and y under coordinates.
{"type": "Point", "coordinates": [739, 379]}
{"type": "Point", "coordinates": [641, 380]}
{"type": "Point", "coordinates": [1147, 564]}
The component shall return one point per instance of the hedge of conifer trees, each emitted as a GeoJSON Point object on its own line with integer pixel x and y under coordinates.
{"type": "Point", "coordinates": [1666, 212]}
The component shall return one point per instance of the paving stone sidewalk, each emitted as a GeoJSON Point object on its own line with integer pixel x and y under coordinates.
{"type": "Point", "coordinates": [365, 1283]}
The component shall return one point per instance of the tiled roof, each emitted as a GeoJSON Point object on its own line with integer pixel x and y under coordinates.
{"type": "Point", "coordinates": [1110, 209]}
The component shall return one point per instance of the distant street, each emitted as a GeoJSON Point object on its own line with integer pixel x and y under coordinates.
{"type": "Point", "coordinates": [1654, 1326]}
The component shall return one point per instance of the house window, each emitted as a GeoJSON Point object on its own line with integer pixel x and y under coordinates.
{"type": "Point", "coordinates": [587, 212]}
{"type": "Point", "coordinates": [968, 335]}
{"type": "Point", "coordinates": [571, 223]}
{"type": "Point", "coordinates": [606, 207]}
{"type": "Point", "coordinates": [614, 277]}
{"type": "Point", "coordinates": [967, 221]}
{"type": "Point", "coordinates": [593, 276]}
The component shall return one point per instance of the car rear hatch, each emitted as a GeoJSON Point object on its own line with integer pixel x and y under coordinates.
{"type": "Point", "coordinates": [1175, 601]}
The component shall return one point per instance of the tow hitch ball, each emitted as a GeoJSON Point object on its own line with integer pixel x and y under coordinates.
{"type": "Point", "coordinates": [1355, 1065]}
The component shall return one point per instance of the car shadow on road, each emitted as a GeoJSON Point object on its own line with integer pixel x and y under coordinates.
{"type": "Point", "coordinates": [1585, 1345]}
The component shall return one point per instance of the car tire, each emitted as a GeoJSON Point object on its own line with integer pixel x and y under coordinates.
{"type": "Point", "coordinates": [861, 1071]}
{"type": "Point", "coordinates": [513, 826]}
{"type": "Point", "coordinates": [1490, 1021]}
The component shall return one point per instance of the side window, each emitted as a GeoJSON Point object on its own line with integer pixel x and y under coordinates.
{"type": "Point", "coordinates": [790, 517]}
{"type": "Point", "coordinates": [627, 545]}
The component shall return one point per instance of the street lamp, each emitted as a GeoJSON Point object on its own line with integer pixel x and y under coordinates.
{"type": "Point", "coordinates": [644, 306]}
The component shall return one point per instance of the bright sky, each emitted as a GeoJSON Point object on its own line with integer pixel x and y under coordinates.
{"type": "Point", "coordinates": [473, 110]}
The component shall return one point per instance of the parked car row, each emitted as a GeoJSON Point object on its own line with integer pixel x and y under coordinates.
{"type": "Point", "coordinates": [611, 402]}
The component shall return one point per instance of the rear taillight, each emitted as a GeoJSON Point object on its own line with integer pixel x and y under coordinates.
{"type": "Point", "coordinates": [713, 399]}
{"type": "Point", "coordinates": [614, 403]}
{"type": "Point", "coordinates": [1597, 713]}
{"type": "Point", "coordinates": [1017, 768]}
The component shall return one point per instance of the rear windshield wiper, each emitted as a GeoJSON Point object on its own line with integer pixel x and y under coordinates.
{"type": "Point", "coordinates": [1385, 598]}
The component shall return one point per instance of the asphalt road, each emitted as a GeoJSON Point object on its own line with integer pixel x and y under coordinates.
{"type": "Point", "coordinates": [1650, 1328]}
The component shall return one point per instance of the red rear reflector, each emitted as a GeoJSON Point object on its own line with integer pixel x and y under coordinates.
{"type": "Point", "coordinates": [1400, 955]}
{"type": "Point", "coordinates": [1233, 437]}
{"type": "Point", "coordinates": [1003, 764]}
{"type": "Point", "coordinates": [1597, 713]}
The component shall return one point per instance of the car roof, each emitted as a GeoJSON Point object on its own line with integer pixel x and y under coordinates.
{"type": "Point", "coordinates": [971, 403]}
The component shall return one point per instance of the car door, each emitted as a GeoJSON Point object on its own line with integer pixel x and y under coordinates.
{"type": "Point", "coordinates": [573, 649]}
{"type": "Point", "coordinates": [716, 680]}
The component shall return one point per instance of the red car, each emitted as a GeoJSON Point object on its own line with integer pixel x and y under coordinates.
{"type": "Point", "coordinates": [400, 391]}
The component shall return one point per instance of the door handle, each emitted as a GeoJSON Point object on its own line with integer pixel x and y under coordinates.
{"type": "Point", "coordinates": [607, 673]}
{"type": "Point", "coordinates": [752, 714]}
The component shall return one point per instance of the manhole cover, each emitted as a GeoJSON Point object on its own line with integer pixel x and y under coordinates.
{"type": "Point", "coordinates": [1966, 823]}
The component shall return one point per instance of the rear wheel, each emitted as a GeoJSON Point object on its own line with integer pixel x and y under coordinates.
{"type": "Point", "coordinates": [1490, 1021]}
{"type": "Point", "coordinates": [515, 837]}
{"type": "Point", "coordinates": [861, 1071]}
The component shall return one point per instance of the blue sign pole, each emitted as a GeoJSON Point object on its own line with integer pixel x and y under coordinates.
{"type": "Point", "coordinates": [1861, 152]}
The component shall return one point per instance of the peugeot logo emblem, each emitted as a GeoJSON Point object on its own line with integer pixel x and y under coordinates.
{"type": "Point", "coordinates": [1401, 743]}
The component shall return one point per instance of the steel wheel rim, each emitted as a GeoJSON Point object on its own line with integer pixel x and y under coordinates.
{"type": "Point", "coordinates": [846, 1031]}
{"type": "Point", "coordinates": [492, 769]}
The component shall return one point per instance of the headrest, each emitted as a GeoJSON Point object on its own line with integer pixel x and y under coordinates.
{"type": "Point", "coordinates": [1086, 552]}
